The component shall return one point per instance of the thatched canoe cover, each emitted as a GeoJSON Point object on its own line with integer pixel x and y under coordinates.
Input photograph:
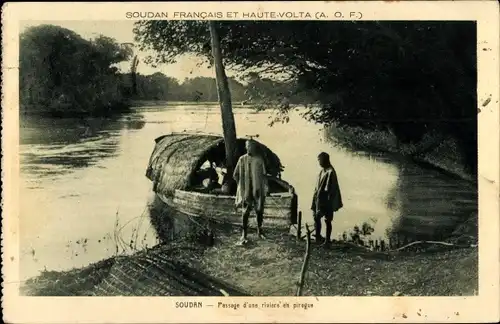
{"type": "Point", "coordinates": [176, 157]}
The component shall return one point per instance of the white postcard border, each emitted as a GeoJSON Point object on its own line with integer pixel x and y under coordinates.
{"type": "Point", "coordinates": [484, 307]}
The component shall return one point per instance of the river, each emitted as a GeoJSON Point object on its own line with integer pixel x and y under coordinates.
{"type": "Point", "coordinates": [83, 184]}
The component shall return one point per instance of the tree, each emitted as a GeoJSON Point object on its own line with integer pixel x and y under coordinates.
{"type": "Point", "coordinates": [228, 124]}
{"type": "Point", "coordinates": [62, 73]}
{"type": "Point", "coordinates": [409, 77]}
{"type": "Point", "coordinates": [133, 73]}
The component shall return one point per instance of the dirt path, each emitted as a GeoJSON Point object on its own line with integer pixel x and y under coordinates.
{"type": "Point", "coordinates": [273, 267]}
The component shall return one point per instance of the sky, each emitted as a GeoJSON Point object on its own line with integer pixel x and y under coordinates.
{"type": "Point", "coordinates": [121, 30]}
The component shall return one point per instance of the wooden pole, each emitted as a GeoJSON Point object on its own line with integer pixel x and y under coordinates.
{"type": "Point", "coordinates": [224, 94]}
{"type": "Point", "coordinates": [306, 262]}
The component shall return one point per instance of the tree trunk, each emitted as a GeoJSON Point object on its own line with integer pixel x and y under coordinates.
{"type": "Point", "coordinates": [228, 125]}
{"type": "Point", "coordinates": [133, 74]}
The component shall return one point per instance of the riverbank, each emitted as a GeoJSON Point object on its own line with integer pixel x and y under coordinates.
{"type": "Point", "coordinates": [165, 103]}
{"type": "Point", "coordinates": [185, 268]}
{"type": "Point", "coordinates": [69, 112]}
{"type": "Point", "coordinates": [444, 156]}
{"type": "Point", "coordinates": [262, 268]}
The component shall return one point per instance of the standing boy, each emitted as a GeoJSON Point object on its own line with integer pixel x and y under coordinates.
{"type": "Point", "coordinates": [327, 198]}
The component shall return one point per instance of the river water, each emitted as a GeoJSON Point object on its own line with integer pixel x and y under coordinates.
{"type": "Point", "coordinates": [84, 192]}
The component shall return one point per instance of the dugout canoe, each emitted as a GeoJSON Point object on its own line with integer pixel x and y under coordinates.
{"type": "Point", "coordinates": [172, 170]}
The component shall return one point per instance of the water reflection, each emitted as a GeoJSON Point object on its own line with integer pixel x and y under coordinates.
{"type": "Point", "coordinates": [428, 212]}
{"type": "Point", "coordinates": [421, 204]}
{"type": "Point", "coordinates": [73, 188]}
{"type": "Point", "coordinates": [55, 146]}
{"type": "Point", "coordinates": [134, 122]}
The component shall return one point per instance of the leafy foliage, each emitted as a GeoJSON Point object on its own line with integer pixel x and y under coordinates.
{"type": "Point", "coordinates": [407, 77]}
{"type": "Point", "coordinates": [61, 72]}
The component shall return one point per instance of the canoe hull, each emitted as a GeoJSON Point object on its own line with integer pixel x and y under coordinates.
{"type": "Point", "coordinates": [280, 210]}
{"type": "Point", "coordinates": [173, 169]}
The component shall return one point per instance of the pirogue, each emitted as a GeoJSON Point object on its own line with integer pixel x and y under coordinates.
{"type": "Point", "coordinates": [172, 169]}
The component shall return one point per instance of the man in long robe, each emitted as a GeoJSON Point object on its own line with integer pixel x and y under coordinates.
{"type": "Point", "coordinates": [327, 198]}
{"type": "Point", "coordinates": [252, 188]}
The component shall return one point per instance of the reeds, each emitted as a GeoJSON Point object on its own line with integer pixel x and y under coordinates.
{"type": "Point", "coordinates": [395, 242]}
{"type": "Point", "coordinates": [136, 241]}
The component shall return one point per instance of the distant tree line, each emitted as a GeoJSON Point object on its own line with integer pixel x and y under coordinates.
{"type": "Point", "coordinates": [410, 78]}
{"type": "Point", "coordinates": [62, 74]}
{"type": "Point", "coordinates": [159, 86]}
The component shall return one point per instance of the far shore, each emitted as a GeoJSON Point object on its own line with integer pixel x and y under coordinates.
{"type": "Point", "coordinates": [134, 104]}
{"type": "Point", "coordinates": [156, 103]}
{"type": "Point", "coordinates": [163, 103]}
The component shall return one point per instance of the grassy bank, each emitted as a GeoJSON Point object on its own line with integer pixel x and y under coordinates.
{"type": "Point", "coordinates": [444, 156]}
{"type": "Point", "coordinates": [267, 268]}
{"type": "Point", "coordinates": [341, 270]}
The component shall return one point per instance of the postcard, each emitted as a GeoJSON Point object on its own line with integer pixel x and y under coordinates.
{"type": "Point", "coordinates": [233, 162]}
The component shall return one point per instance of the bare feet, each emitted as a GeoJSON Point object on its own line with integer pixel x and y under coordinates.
{"type": "Point", "coordinates": [261, 235]}
{"type": "Point", "coordinates": [319, 240]}
{"type": "Point", "coordinates": [242, 241]}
